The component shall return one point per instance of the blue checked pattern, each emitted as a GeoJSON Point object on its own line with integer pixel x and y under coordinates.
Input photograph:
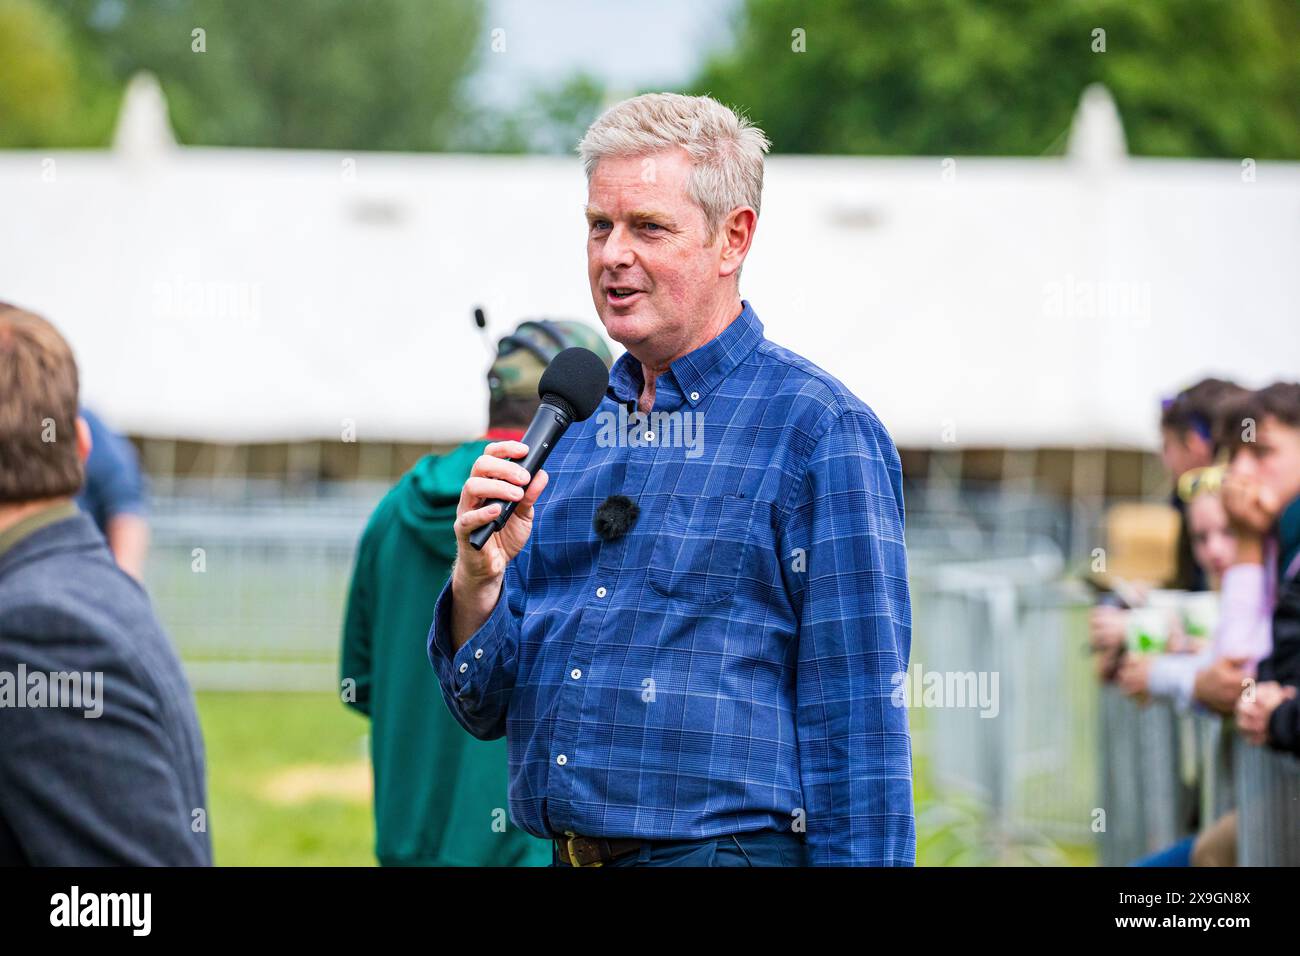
{"type": "Point", "coordinates": [730, 664]}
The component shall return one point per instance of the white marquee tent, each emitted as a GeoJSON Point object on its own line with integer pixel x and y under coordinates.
{"type": "Point", "coordinates": [250, 295]}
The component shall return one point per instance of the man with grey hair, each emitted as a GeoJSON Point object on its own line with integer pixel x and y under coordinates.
{"type": "Point", "coordinates": [691, 649]}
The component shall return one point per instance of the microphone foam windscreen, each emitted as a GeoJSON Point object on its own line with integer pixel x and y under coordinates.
{"type": "Point", "coordinates": [615, 517]}
{"type": "Point", "coordinates": [579, 377]}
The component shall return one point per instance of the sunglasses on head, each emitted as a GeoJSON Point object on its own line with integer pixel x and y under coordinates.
{"type": "Point", "coordinates": [1201, 481]}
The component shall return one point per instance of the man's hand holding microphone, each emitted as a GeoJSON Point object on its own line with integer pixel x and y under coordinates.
{"type": "Point", "coordinates": [477, 576]}
{"type": "Point", "coordinates": [494, 517]}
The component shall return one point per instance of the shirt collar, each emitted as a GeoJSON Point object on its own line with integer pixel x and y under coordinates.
{"type": "Point", "coordinates": [695, 375]}
{"type": "Point", "coordinates": [28, 526]}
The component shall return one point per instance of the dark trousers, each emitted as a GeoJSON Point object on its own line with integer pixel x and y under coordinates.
{"type": "Point", "coordinates": [762, 848]}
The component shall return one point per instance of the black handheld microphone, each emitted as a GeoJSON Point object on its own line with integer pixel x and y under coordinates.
{"type": "Point", "coordinates": [571, 388]}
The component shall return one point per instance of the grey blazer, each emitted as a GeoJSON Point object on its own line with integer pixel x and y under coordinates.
{"type": "Point", "coordinates": [125, 787]}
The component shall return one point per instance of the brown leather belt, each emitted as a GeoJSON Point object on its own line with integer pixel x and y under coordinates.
{"type": "Point", "coordinates": [574, 850]}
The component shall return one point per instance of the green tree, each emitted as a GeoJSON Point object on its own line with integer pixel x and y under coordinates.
{"type": "Point", "coordinates": [551, 119]}
{"type": "Point", "coordinates": [51, 94]}
{"type": "Point", "coordinates": [565, 112]}
{"type": "Point", "coordinates": [36, 72]}
{"type": "Point", "coordinates": [991, 77]}
{"type": "Point", "coordinates": [342, 74]}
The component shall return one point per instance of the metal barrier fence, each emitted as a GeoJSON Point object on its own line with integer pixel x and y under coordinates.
{"type": "Point", "coordinates": [1148, 783]}
{"type": "Point", "coordinates": [1216, 744]}
{"type": "Point", "coordinates": [1166, 776]}
{"type": "Point", "coordinates": [1019, 749]}
{"type": "Point", "coordinates": [1059, 748]}
{"type": "Point", "coordinates": [250, 577]}
{"type": "Point", "coordinates": [251, 584]}
{"type": "Point", "coordinates": [1268, 809]}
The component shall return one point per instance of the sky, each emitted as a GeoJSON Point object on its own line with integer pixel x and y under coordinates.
{"type": "Point", "coordinates": [626, 43]}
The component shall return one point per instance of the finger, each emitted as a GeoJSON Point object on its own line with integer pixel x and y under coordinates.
{"type": "Point", "coordinates": [488, 467]}
{"type": "Point", "coordinates": [472, 520]}
{"type": "Point", "coordinates": [485, 488]}
{"type": "Point", "coordinates": [506, 449]}
{"type": "Point", "coordinates": [533, 492]}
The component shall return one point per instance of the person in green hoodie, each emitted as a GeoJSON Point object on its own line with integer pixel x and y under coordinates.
{"type": "Point", "coordinates": [440, 794]}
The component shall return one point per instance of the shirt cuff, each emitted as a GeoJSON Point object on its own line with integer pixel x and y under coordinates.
{"type": "Point", "coordinates": [1174, 676]}
{"type": "Point", "coordinates": [465, 672]}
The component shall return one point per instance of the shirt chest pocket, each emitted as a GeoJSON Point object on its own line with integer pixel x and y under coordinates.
{"type": "Point", "coordinates": [700, 549]}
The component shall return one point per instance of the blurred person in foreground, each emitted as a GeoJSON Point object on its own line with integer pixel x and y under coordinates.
{"type": "Point", "coordinates": [691, 640]}
{"type": "Point", "coordinates": [101, 758]}
{"type": "Point", "coordinates": [1189, 426]}
{"type": "Point", "coordinates": [440, 794]}
{"type": "Point", "coordinates": [1263, 491]}
{"type": "Point", "coordinates": [1189, 430]}
{"type": "Point", "coordinates": [1210, 679]}
{"type": "Point", "coordinates": [115, 495]}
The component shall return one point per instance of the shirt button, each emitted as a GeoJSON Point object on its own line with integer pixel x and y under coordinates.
{"type": "Point", "coordinates": [695, 396]}
{"type": "Point", "coordinates": [576, 674]}
{"type": "Point", "coordinates": [601, 592]}
{"type": "Point", "coordinates": [561, 760]}
{"type": "Point", "coordinates": [464, 668]}
{"type": "Point", "coordinates": [649, 436]}
{"type": "Point", "coordinates": [478, 653]}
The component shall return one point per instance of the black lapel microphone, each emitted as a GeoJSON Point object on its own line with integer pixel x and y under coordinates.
{"type": "Point", "coordinates": [571, 389]}
{"type": "Point", "coordinates": [615, 517]}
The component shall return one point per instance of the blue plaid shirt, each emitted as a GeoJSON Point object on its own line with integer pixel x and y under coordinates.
{"type": "Point", "coordinates": [730, 663]}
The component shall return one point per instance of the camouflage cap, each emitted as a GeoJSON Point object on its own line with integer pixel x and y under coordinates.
{"type": "Point", "coordinates": [523, 355]}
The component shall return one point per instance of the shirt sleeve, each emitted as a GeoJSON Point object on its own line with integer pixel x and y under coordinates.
{"type": "Point", "coordinates": [1245, 616]}
{"type": "Point", "coordinates": [478, 679]}
{"type": "Point", "coordinates": [1281, 665]}
{"type": "Point", "coordinates": [844, 539]}
{"type": "Point", "coordinates": [1173, 676]}
{"type": "Point", "coordinates": [114, 470]}
{"type": "Point", "coordinates": [1284, 727]}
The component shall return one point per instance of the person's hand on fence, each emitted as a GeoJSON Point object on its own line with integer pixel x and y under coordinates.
{"type": "Point", "coordinates": [1107, 627]}
{"type": "Point", "coordinates": [1108, 663]}
{"type": "Point", "coordinates": [1255, 710]}
{"type": "Point", "coordinates": [1134, 677]}
{"type": "Point", "coordinates": [1219, 685]}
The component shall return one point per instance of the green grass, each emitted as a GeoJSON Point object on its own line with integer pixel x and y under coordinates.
{"type": "Point", "coordinates": [955, 830]}
{"type": "Point", "coordinates": [253, 739]}
{"type": "Point", "coordinates": [256, 740]}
